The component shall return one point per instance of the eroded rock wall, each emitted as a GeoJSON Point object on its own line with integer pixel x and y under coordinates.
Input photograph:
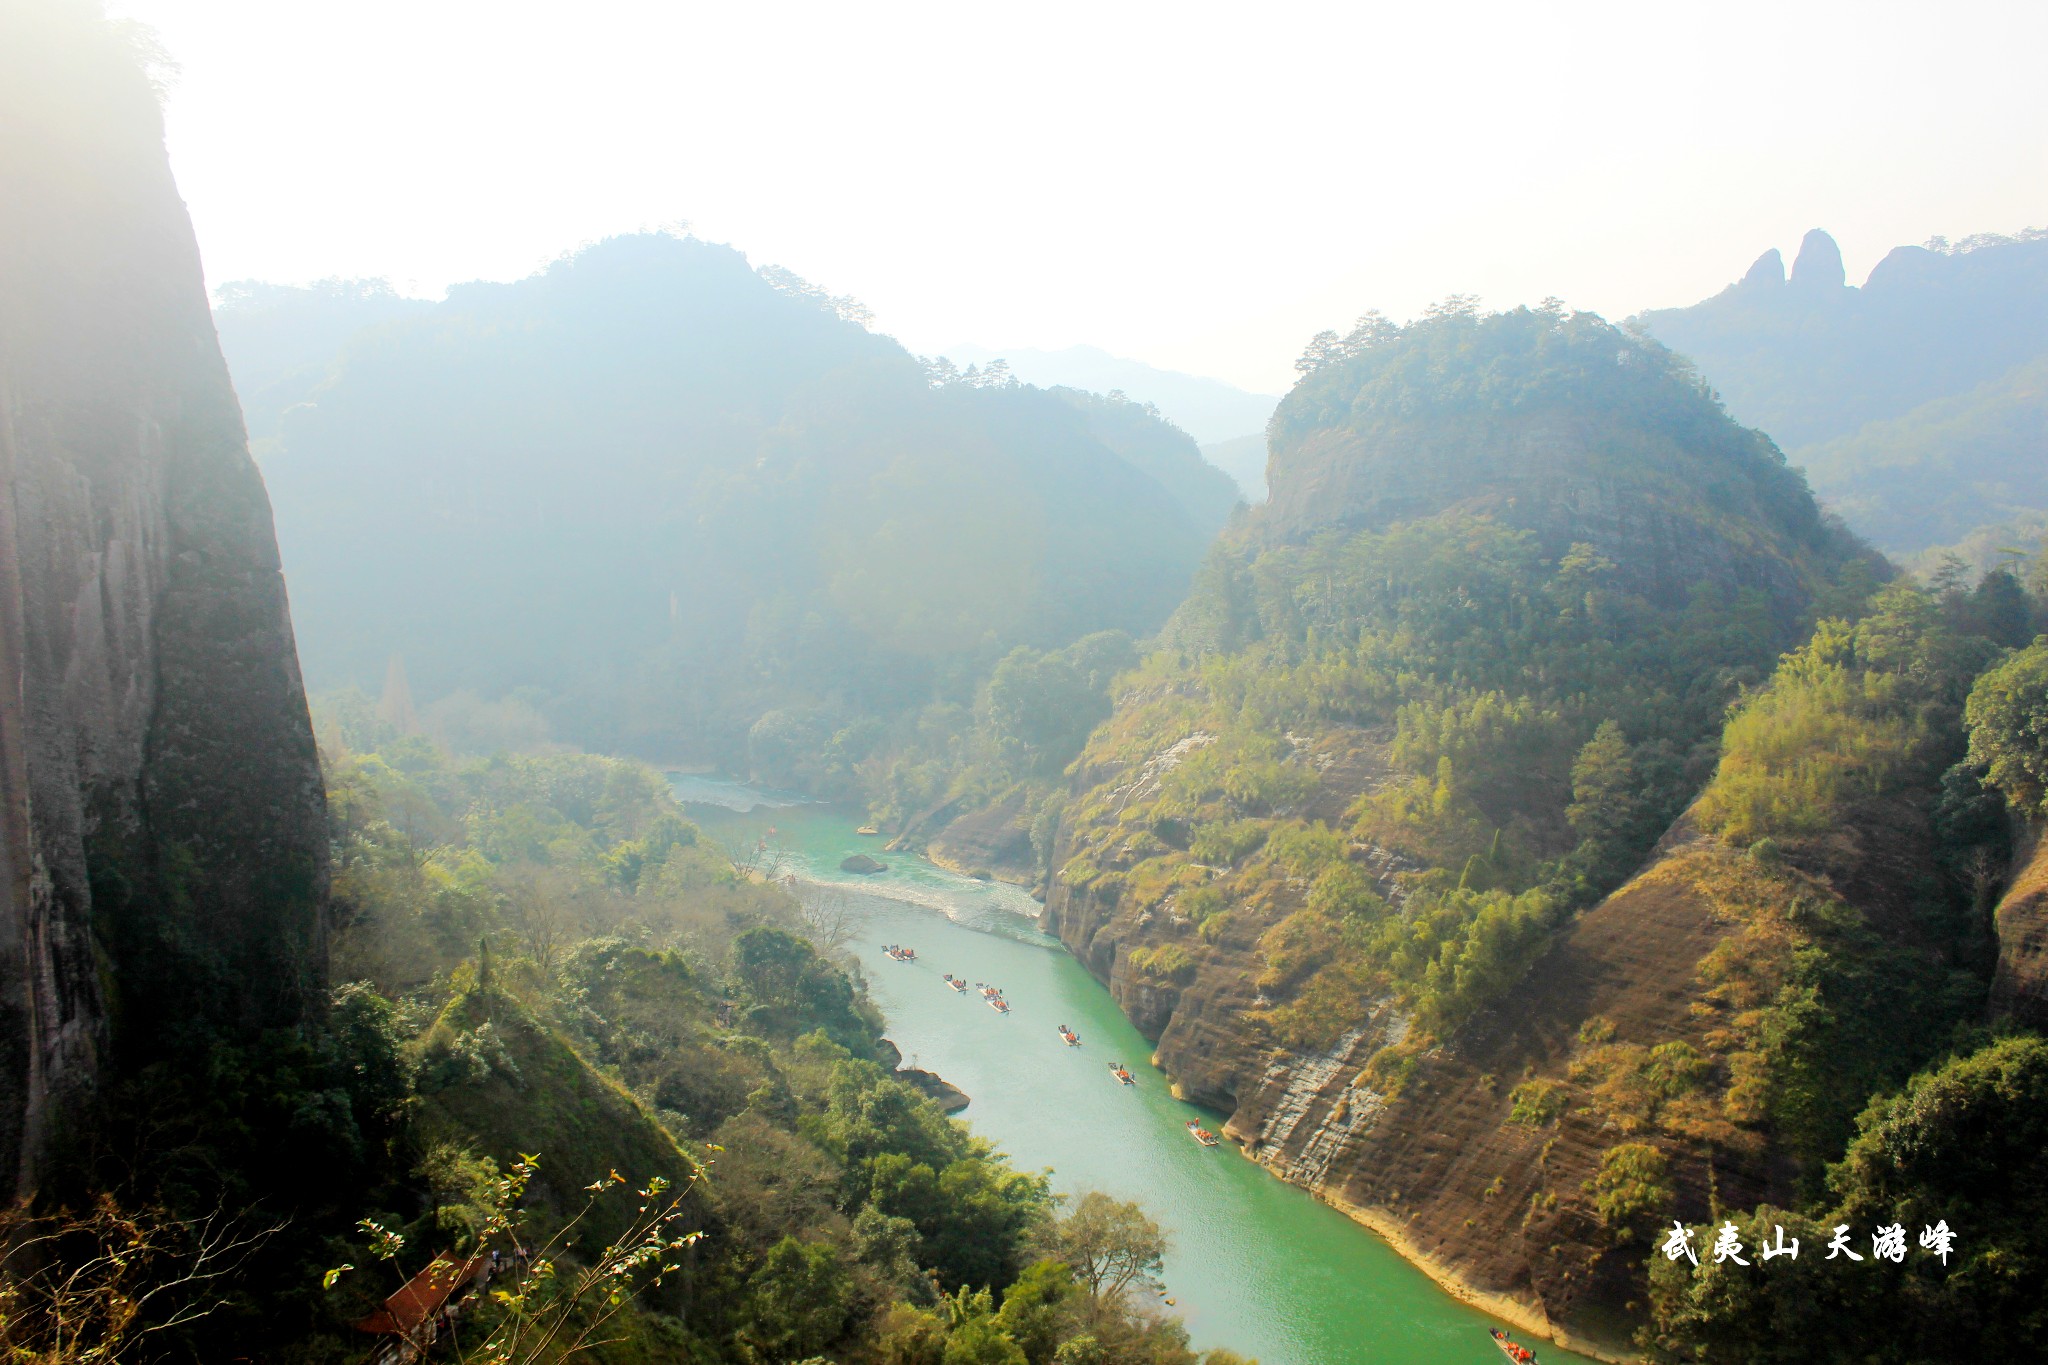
{"type": "Point", "coordinates": [163, 856]}
{"type": "Point", "coordinates": [2019, 989]}
{"type": "Point", "coordinates": [1497, 1205]}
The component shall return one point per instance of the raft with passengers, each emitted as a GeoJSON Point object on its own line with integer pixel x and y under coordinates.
{"type": "Point", "coordinates": [1521, 1355]}
{"type": "Point", "coordinates": [957, 983]}
{"type": "Point", "coordinates": [1122, 1073]}
{"type": "Point", "coordinates": [896, 952]}
{"type": "Point", "coordinates": [1202, 1135]}
{"type": "Point", "coordinates": [1069, 1037]}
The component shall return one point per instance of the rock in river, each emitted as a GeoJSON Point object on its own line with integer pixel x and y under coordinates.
{"type": "Point", "coordinates": [863, 864]}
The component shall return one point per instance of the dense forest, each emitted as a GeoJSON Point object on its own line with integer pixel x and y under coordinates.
{"type": "Point", "coordinates": [556, 982]}
{"type": "Point", "coordinates": [1912, 401]}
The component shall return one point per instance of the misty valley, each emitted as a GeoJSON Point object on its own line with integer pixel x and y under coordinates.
{"type": "Point", "coordinates": [626, 814]}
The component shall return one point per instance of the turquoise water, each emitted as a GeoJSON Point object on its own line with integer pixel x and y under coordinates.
{"type": "Point", "coordinates": [1255, 1265]}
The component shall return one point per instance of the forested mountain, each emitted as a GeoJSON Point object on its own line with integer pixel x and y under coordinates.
{"type": "Point", "coordinates": [1428, 849]}
{"type": "Point", "coordinates": [665, 496]}
{"type": "Point", "coordinates": [1136, 432]}
{"type": "Point", "coordinates": [1912, 401]}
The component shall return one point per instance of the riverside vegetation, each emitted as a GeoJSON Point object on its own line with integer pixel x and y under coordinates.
{"type": "Point", "coordinates": [562, 1023]}
{"type": "Point", "coordinates": [564, 1005]}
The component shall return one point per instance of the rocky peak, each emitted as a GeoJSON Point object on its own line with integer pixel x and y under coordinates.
{"type": "Point", "coordinates": [1819, 264]}
{"type": "Point", "coordinates": [1768, 272]}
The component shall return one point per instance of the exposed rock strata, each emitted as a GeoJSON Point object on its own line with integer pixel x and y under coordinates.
{"type": "Point", "coordinates": [949, 1096]}
{"type": "Point", "coordinates": [1496, 1210]}
{"type": "Point", "coordinates": [162, 823]}
{"type": "Point", "coordinates": [2020, 988]}
{"type": "Point", "coordinates": [1439, 1168]}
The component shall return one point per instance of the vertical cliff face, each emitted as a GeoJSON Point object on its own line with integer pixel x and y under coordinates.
{"type": "Point", "coordinates": [2020, 988]}
{"type": "Point", "coordinates": [162, 820]}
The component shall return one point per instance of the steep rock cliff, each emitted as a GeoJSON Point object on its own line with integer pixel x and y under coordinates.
{"type": "Point", "coordinates": [1479, 1156]}
{"type": "Point", "coordinates": [160, 795]}
{"type": "Point", "coordinates": [2020, 988]}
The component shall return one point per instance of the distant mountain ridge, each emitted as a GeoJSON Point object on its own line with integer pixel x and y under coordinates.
{"type": "Point", "coordinates": [1948, 467]}
{"type": "Point", "coordinates": [1913, 400]}
{"type": "Point", "coordinates": [1809, 357]}
{"type": "Point", "coordinates": [1207, 409]}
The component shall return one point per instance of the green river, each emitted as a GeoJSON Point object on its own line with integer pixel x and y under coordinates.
{"type": "Point", "coordinates": [1255, 1264]}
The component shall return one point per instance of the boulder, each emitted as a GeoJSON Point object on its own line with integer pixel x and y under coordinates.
{"type": "Point", "coordinates": [863, 864]}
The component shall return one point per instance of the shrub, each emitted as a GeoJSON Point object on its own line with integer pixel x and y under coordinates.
{"type": "Point", "coordinates": [1633, 1180]}
{"type": "Point", "coordinates": [1167, 962]}
{"type": "Point", "coordinates": [2008, 719]}
{"type": "Point", "coordinates": [1676, 1068]}
{"type": "Point", "coordinates": [1226, 843]}
{"type": "Point", "coordinates": [1305, 850]}
{"type": "Point", "coordinates": [1344, 889]}
{"type": "Point", "coordinates": [1537, 1103]}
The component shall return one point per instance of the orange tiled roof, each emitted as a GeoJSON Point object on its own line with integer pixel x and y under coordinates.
{"type": "Point", "coordinates": [422, 1297]}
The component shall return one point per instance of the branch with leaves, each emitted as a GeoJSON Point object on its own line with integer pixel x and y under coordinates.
{"type": "Point", "coordinates": [549, 1308]}
{"type": "Point", "coordinates": [97, 1286]}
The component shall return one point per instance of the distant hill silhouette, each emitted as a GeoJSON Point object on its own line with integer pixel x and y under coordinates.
{"type": "Point", "coordinates": [1947, 467]}
{"type": "Point", "coordinates": [1914, 400]}
{"type": "Point", "coordinates": [1243, 458]}
{"type": "Point", "coordinates": [1207, 409]}
{"type": "Point", "coordinates": [280, 340]}
{"type": "Point", "coordinates": [666, 495]}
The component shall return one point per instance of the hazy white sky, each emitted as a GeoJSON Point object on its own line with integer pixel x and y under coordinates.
{"type": "Point", "coordinates": [1199, 186]}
